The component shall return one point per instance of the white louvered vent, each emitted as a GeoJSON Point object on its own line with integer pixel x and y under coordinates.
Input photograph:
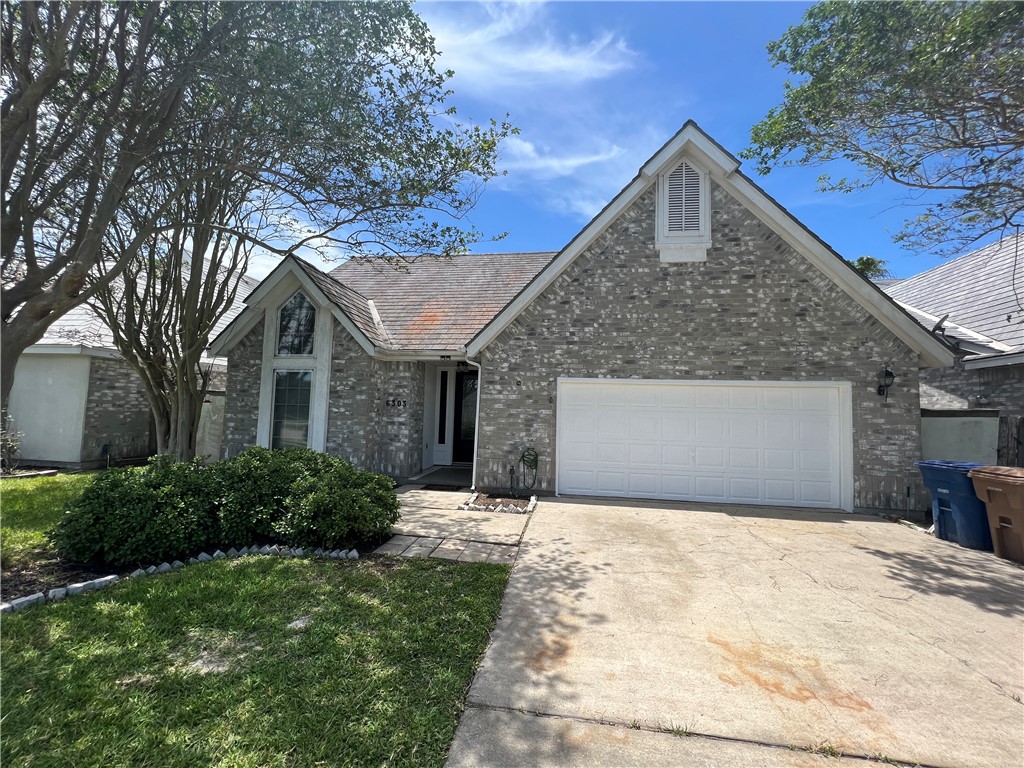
{"type": "Point", "coordinates": [684, 200]}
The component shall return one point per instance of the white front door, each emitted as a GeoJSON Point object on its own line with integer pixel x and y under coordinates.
{"type": "Point", "coordinates": [782, 443]}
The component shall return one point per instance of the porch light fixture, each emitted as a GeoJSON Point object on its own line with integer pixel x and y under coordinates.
{"type": "Point", "coordinates": [885, 379]}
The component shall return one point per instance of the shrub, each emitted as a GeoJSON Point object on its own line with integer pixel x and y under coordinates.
{"type": "Point", "coordinates": [169, 510]}
{"type": "Point", "coordinates": [334, 507]}
{"type": "Point", "coordinates": [161, 511]}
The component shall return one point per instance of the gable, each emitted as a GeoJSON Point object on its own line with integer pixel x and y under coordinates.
{"type": "Point", "coordinates": [722, 168]}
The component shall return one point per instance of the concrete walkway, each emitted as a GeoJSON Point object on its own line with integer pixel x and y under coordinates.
{"type": "Point", "coordinates": [431, 525]}
{"type": "Point", "coordinates": [648, 634]}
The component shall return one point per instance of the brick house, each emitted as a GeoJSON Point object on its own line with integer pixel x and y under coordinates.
{"type": "Point", "coordinates": [694, 341]}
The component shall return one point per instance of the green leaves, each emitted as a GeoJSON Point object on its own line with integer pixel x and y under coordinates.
{"type": "Point", "coordinates": [927, 95]}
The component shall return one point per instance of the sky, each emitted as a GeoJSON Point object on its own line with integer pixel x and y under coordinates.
{"type": "Point", "coordinates": [596, 88]}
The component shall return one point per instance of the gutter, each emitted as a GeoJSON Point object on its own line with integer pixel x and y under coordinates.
{"type": "Point", "coordinates": [476, 427]}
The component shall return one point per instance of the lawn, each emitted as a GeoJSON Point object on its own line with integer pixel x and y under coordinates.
{"type": "Point", "coordinates": [251, 662]}
{"type": "Point", "coordinates": [28, 508]}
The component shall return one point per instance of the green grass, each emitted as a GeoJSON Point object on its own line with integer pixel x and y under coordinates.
{"type": "Point", "coordinates": [29, 508]}
{"type": "Point", "coordinates": [377, 676]}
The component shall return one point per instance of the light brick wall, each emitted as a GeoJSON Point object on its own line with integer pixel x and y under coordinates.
{"type": "Point", "coordinates": [242, 399]}
{"type": "Point", "coordinates": [117, 414]}
{"type": "Point", "coordinates": [755, 310]}
{"type": "Point", "coordinates": [351, 422]}
{"type": "Point", "coordinates": [954, 388]}
{"type": "Point", "coordinates": [400, 425]}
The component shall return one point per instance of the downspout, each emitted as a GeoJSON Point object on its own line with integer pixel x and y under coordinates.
{"type": "Point", "coordinates": [476, 427]}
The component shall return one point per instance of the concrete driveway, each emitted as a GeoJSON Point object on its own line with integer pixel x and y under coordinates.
{"type": "Point", "coordinates": [650, 634]}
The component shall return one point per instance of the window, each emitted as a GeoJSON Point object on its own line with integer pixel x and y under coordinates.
{"type": "Point", "coordinates": [296, 326]}
{"type": "Point", "coordinates": [290, 426]}
{"type": "Point", "coordinates": [684, 232]}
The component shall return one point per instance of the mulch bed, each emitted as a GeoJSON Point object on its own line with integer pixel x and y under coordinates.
{"type": "Point", "coordinates": [45, 571]}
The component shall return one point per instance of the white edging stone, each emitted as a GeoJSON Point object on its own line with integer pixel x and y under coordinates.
{"type": "Point", "coordinates": [21, 603]}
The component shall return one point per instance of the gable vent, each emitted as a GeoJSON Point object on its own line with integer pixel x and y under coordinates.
{"type": "Point", "coordinates": [684, 199]}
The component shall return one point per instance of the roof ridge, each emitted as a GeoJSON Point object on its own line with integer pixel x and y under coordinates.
{"type": "Point", "coordinates": [329, 276]}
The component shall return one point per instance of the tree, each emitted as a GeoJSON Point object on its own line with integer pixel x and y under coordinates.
{"type": "Point", "coordinates": [927, 95]}
{"type": "Point", "coordinates": [330, 115]}
{"type": "Point", "coordinates": [870, 267]}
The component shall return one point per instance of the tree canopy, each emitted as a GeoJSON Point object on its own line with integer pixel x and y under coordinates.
{"type": "Point", "coordinates": [330, 117]}
{"type": "Point", "coordinates": [929, 95]}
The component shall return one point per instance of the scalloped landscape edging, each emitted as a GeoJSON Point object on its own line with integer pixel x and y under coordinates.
{"type": "Point", "coordinates": [81, 588]}
{"type": "Point", "coordinates": [470, 505]}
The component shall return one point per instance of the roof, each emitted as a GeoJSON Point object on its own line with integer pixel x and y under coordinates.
{"type": "Point", "coordinates": [964, 337]}
{"type": "Point", "coordinates": [982, 291]}
{"type": "Point", "coordinates": [437, 303]}
{"type": "Point", "coordinates": [81, 326]}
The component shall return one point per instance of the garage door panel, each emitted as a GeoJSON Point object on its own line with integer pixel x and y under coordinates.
{"type": "Point", "coordinates": [644, 484]}
{"type": "Point", "coordinates": [677, 486]}
{"type": "Point", "coordinates": [779, 490]}
{"type": "Point", "coordinates": [644, 426]}
{"type": "Point", "coordinates": [676, 456]}
{"type": "Point", "coordinates": [612, 482]}
{"type": "Point", "coordinates": [744, 458]}
{"type": "Point", "coordinates": [744, 398]}
{"type": "Point", "coordinates": [577, 451]}
{"type": "Point", "coordinates": [648, 454]}
{"type": "Point", "coordinates": [612, 423]}
{"type": "Point", "coordinates": [753, 444]}
{"type": "Point", "coordinates": [610, 394]}
{"type": "Point", "coordinates": [744, 489]}
{"type": "Point", "coordinates": [709, 487]}
{"type": "Point", "coordinates": [779, 458]}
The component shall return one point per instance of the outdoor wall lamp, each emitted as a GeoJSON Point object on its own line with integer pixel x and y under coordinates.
{"type": "Point", "coordinates": [885, 379]}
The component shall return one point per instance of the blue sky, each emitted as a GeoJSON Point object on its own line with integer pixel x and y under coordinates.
{"type": "Point", "coordinates": [597, 87]}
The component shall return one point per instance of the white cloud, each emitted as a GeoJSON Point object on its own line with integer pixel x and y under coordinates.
{"type": "Point", "coordinates": [494, 47]}
{"type": "Point", "coordinates": [524, 157]}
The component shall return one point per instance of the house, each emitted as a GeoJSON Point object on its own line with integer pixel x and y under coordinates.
{"type": "Point", "coordinates": [78, 404]}
{"type": "Point", "coordinates": [973, 410]}
{"type": "Point", "coordinates": [694, 341]}
{"type": "Point", "coordinates": [975, 301]}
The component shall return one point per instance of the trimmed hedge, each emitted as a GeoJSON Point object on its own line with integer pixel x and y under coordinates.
{"type": "Point", "coordinates": [169, 510]}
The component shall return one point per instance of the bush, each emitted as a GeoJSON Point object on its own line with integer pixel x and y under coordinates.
{"type": "Point", "coordinates": [152, 513]}
{"type": "Point", "coordinates": [334, 508]}
{"type": "Point", "coordinates": [169, 510]}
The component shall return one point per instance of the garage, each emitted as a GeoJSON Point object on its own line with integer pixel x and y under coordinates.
{"type": "Point", "coordinates": [775, 443]}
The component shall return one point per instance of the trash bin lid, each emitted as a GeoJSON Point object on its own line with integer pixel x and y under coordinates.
{"type": "Point", "coordinates": [1009, 474]}
{"type": "Point", "coordinates": [963, 466]}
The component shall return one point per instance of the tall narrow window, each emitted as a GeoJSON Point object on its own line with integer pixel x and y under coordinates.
{"type": "Point", "coordinates": [290, 427]}
{"type": "Point", "coordinates": [442, 410]}
{"type": "Point", "coordinates": [296, 326]}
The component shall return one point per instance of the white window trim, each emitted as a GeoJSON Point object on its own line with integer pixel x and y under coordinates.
{"type": "Point", "coordinates": [679, 247]}
{"type": "Point", "coordinates": [319, 362]}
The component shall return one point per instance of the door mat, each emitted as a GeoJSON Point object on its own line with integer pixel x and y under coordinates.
{"type": "Point", "coordinates": [440, 487]}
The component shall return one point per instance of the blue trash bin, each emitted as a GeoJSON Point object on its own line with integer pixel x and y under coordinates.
{"type": "Point", "coordinates": [959, 515]}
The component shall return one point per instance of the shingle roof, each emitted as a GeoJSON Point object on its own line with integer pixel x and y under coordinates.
{"type": "Point", "coordinates": [982, 290]}
{"type": "Point", "coordinates": [81, 325]}
{"type": "Point", "coordinates": [354, 304]}
{"type": "Point", "coordinates": [439, 303]}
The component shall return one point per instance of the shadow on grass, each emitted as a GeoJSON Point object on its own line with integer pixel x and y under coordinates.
{"type": "Point", "coordinates": [201, 666]}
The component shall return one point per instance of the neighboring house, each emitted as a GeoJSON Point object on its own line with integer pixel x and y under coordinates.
{"type": "Point", "coordinates": [977, 302]}
{"type": "Point", "coordinates": [78, 404]}
{"type": "Point", "coordinates": [694, 341]}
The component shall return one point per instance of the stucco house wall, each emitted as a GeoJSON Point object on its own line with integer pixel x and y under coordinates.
{"type": "Point", "coordinates": [755, 310]}
{"type": "Point", "coordinates": [48, 406]}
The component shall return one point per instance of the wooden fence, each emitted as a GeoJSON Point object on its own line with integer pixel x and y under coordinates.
{"type": "Point", "coordinates": [1010, 451]}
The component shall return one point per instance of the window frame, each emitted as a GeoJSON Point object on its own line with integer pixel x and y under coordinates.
{"type": "Point", "coordinates": [319, 363]}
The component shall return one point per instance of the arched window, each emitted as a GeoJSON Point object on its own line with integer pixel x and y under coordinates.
{"type": "Point", "coordinates": [295, 326]}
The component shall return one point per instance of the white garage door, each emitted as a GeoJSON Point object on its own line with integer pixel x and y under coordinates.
{"type": "Point", "coordinates": [732, 442]}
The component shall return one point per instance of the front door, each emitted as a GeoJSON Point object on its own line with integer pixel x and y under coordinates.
{"type": "Point", "coordinates": [465, 416]}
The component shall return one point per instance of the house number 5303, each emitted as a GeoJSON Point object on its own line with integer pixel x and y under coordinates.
{"type": "Point", "coordinates": [395, 403]}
